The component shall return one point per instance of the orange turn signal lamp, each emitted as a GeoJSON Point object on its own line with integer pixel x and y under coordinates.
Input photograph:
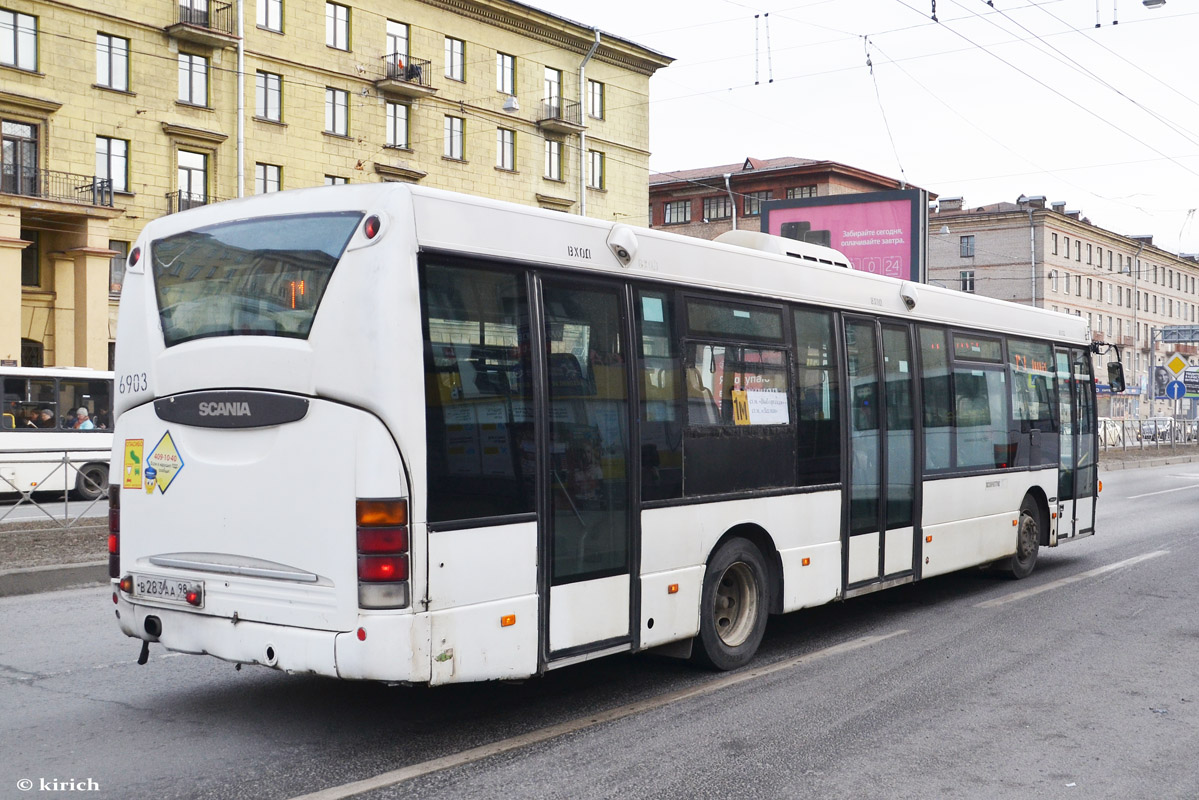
{"type": "Point", "coordinates": [507, 621]}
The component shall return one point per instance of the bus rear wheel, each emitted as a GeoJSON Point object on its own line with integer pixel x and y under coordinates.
{"type": "Point", "coordinates": [1028, 542]}
{"type": "Point", "coordinates": [92, 481]}
{"type": "Point", "coordinates": [733, 606]}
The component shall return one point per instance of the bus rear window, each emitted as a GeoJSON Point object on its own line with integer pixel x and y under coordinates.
{"type": "Point", "coordinates": [257, 277]}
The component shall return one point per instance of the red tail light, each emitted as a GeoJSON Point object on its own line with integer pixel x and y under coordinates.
{"type": "Point", "coordinates": [382, 546]}
{"type": "Point", "coordinates": [114, 530]}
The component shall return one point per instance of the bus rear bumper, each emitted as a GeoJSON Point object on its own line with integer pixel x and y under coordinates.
{"type": "Point", "coordinates": [390, 656]}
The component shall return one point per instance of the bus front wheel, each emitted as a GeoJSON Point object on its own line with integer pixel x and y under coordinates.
{"type": "Point", "coordinates": [733, 607]}
{"type": "Point", "coordinates": [92, 481]}
{"type": "Point", "coordinates": [1028, 541]}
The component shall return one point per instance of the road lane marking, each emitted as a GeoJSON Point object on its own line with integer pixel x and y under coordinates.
{"type": "Point", "coordinates": [1165, 491]}
{"type": "Point", "coordinates": [1082, 576]}
{"type": "Point", "coordinates": [395, 776]}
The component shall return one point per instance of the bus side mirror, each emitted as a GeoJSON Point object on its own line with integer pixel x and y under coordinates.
{"type": "Point", "coordinates": [1115, 377]}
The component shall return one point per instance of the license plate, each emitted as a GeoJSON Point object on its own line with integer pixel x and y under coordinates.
{"type": "Point", "coordinates": [169, 590]}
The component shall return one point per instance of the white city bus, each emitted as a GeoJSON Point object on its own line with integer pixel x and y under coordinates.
{"type": "Point", "coordinates": [46, 444]}
{"type": "Point", "coordinates": [392, 433]}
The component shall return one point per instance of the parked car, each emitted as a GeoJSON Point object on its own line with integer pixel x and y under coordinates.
{"type": "Point", "coordinates": [1156, 429]}
{"type": "Point", "coordinates": [1111, 432]}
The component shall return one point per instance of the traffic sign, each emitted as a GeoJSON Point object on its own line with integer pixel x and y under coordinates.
{"type": "Point", "coordinates": [1175, 390]}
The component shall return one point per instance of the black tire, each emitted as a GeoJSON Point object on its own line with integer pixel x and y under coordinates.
{"type": "Point", "coordinates": [733, 606]}
{"type": "Point", "coordinates": [92, 481]}
{"type": "Point", "coordinates": [1028, 542]}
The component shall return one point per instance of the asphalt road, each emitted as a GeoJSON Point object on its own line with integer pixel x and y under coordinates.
{"type": "Point", "coordinates": [1078, 682]}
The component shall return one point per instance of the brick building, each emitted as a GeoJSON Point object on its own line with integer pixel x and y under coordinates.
{"type": "Point", "coordinates": [115, 113]}
{"type": "Point", "coordinates": [702, 203]}
{"type": "Point", "coordinates": [1055, 258]}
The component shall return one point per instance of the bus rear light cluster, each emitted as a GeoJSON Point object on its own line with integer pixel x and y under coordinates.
{"type": "Point", "coordinates": [382, 533]}
{"type": "Point", "coordinates": [114, 530]}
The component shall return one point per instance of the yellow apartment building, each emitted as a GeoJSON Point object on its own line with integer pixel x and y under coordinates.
{"type": "Point", "coordinates": [114, 113]}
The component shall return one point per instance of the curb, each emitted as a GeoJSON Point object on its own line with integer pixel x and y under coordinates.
{"type": "Point", "coordinates": [33, 580]}
{"type": "Point", "coordinates": [1145, 462]}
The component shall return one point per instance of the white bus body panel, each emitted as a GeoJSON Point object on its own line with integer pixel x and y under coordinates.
{"type": "Point", "coordinates": [970, 519]}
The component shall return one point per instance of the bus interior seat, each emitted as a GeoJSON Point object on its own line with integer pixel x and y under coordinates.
{"type": "Point", "coordinates": [701, 407]}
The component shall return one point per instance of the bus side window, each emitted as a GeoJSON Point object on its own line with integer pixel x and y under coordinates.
{"type": "Point", "coordinates": [818, 415]}
{"type": "Point", "coordinates": [660, 372]}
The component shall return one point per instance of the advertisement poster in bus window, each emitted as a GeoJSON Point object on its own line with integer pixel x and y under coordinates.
{"type": "Point", "coordinates": [879, 232]}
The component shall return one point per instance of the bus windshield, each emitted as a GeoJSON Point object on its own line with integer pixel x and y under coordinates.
{"type": "Point", "coordinates": [259, 277]}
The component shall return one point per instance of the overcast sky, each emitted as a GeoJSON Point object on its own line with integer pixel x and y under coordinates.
{"type": "Point", "coordinates": [988, 103]}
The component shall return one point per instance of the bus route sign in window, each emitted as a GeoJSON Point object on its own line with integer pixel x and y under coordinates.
{"type": "Point", "coordinates": [257, 277]}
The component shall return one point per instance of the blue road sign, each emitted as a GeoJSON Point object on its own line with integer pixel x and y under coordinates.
{"type": "Point", "coordinates": [1175, 390]}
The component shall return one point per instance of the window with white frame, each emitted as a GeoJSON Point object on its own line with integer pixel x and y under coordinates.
{"type": "Point", "coordinates": [335, 180]}
{"type": "Point", "coordinates": [505, 73]}
{"type": "Point", "coordinates": [397, 43]}
{"type": "Point", "coordinates": [596, 167]}
{"type": "Point", "coordinates": [719, 207]}
{"type": "Point", "coordinates": [966, 246]}
{"type": "Point", "coordinates": [453, 137]}
{"type": "Point", "coordinates": [966, 277]}
{"type": "Point", "coordinates": [193, 79]}
{"type": "Point", "coordinates": [553, 159]}
{"type": "Point", "coordinates": [18, 40]}
{"type": "Point", "coordinates": [455, 59]}
{"type": "Point", "coordinates": [801, 191]}
{"type": "Point", "coordinates": [1053, 285]}
{"type": "Point", "coordinates": [595, 99]}
{"type": "Point", "coordinates": [270, 96]}
{"type": "Point", "coordinates": [337, 26]}
{"type": "Point", "coordinates": [266, 178]}
{"type": "Point", "coordinates": [270, 15]}
{"type": "Point", "coordinates": [505, 148]}
{"type": "Point", "coordinates": [753, 203]}
{"type": "Point", "coordinates": [193, 178]}
{"type": "Point", "coordinates": [553, 92]}
{"type": "Point", "coordinates": [397, 125]}
{"type": "Point", "coordinates": [112, 162]}
{"type": "Point", "coordinates": [676, 212]}
{"type": "Point", "coordinates": [337, 111]}
{"type": "Point", "coordinates": [112, 62]}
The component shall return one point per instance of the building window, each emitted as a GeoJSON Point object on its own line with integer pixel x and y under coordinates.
{"type": "Point", "coordinates": [455, 59]}
{"type": "Point", "coordinates": [595, 175]}
{"type": "Point", "coordinates": [19, 163]}
{"type": "Point", "coordinates": [397, 125]}
{"type": "Point", "coordinates": [967, 280]}
{"type": "Point", "coordinates": [193, 79]}
{"type": "Point", "coordinates": [397, 43]}
{"type": "Point", "coordinates": [1088, 254]}
{"type": "Point", "coordinates": [966, 246]}
{"type": "Point", "coordinates": [18, 40]}
{"type": "Point", "coordinates": [112, 162]}
{"type": "Point", "coordinates": [505, 73]}
{"type": "Point", "coordinates": [193, 179]}
{"type": "Point", "coordinates": [595, 99]}
{"type": "Point", "coordinates": [753, 203]}
{"type": "Point", "coordinates": [553, 92]}
{"type": "Point", "coordinates": [677, 212]}
{"type": "Point", "coordinates": [270, 15]}
{"type": "Point", "coordinates": [335, 180]}
{"type": "Point", "coordinates": [31, 259]}
{"type": "Point", "coordinates": [116, 265]}
{"type": "Point", "coordinates": [801, 191]}
{"type": "Point", "coordinates": [1053, 280]}
{"type": "Point", "coordinates": [453, 137]}
{"type": "Point", "coordinates": [505, 148]}
{"type": "Point", "coordinates": [553, 159]}
{"type": "Point", "coordinates": [1089, 295]}
{"type": "Point", "coordinates": [112, 62]}
{"type": "Point", "coordinates": [270, 96]}
{"type": "Point", "coordinates": [1078, 250]}
{"type": "Point", "coordinates": [266, 178]}
{"type": "Point", "coordinates": [1055, 244]}
{"type": "Point", "coordinates": [717, 208]}
{"type": "Point", "coordinates": [337, 26]}
{"type": "Point", "coordinates": [337, 111]}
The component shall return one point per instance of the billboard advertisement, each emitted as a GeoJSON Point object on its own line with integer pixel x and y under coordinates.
{"type": "Point", "coordinates": [880, 232]}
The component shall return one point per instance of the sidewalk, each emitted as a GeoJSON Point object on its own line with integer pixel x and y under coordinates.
{"type": "Point", "coordinates": [44, 556]}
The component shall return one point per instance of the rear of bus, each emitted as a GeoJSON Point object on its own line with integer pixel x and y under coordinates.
{"type": "Point", "coordinates": [267, 354]}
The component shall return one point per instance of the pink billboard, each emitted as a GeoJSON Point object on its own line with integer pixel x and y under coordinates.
{"type": "Point", "coordinates": [879, 232]}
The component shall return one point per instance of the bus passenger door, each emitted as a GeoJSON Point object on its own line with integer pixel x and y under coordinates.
{"type": "Point", "coordinates": [881, 537]}
{"type": "Point", "coordinates": [587, 519]}
{"type": "Point", "coordinates": [1078, 473]}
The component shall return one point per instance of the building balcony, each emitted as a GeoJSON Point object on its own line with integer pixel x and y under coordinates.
{"type": "Point", "coordinates": [182, 201]}
{"type": "Point", "coordinates": [208, 24]}
{"type": "Point", "coordinates": [559, 116]}
{"type": "Point", "coordinates": [47, 184]}
{"type": "Point", "coordinates": [405, 77]}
